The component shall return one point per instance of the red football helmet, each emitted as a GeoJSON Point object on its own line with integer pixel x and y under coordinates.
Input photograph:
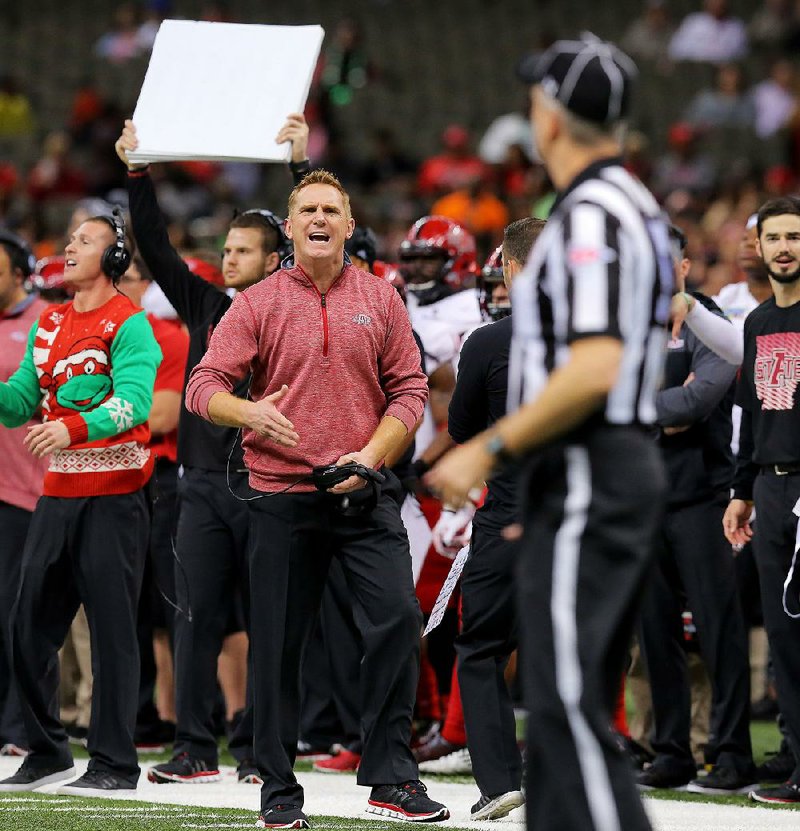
{"type": "Point", "coordinates": [48, 280]}
{"type": "Point", "coordinates": [391, 273]}
{"type": "Point", "coordinates": [492, 294]}
{"type": "Point", "coordinates": [447, 245]}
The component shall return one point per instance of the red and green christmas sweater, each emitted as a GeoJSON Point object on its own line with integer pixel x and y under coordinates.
{"type": "Point", "coordinates": [95, 372]}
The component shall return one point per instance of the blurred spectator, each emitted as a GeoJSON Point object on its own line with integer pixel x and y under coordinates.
{"type": "Point", "coordinates": [121, 43]}
{"type": "Point", "coordinates": [648, 37]}
{"type": "Point", "coordinates": [726, 105]}
{"type": "Point", "coordinates": [216, 12]}
{"type": "Point", "coordinates": [684, 167]}
{"type": "Point", "coordinates": [775, 99]}
{"type": "Point", "coordinates": [154, 15]}
{"type": "Point", "coordinates": [9, 186]}
{"type": "Point", "coordinates": [478, 209]}
{"type": "Point", "coordinates": [387, 161]}
{"type": "Point", "coordinates": [87, 107]}
{"type": "Point", "coordinates": [771, 24]}
{"type": "Point", "coordinates": [345, 66]}
{"type": "Point", "coordinates": [506, 131]}
{"type": "Point", "coordinates": [710, 35]}
{"type": "Point", "coordinates": [54, 174]}
{"type": "Point", "coordinates": [16, 114]}
{"type": "Point", "coordinates": [452, 169]}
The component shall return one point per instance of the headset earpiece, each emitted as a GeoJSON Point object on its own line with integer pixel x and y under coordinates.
{"type": "Point", "coordinates": [116, 258]}
{"type": "Point", "coordinates": [22, 256]}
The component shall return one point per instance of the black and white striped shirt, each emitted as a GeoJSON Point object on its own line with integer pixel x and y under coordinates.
{"type": "Point", "coordinates": [601, 267]}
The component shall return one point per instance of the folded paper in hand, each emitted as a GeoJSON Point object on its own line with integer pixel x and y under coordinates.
{"type": "Point", "coordinates": [222, 91]}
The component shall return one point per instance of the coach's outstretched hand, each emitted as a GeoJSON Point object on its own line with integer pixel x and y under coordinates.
{"type": "Point", "coordinates": [266, 420]}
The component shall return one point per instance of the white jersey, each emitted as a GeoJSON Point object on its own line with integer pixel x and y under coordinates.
{"type": "Point", "coordinates": [461, 311]}
{"type": "Point", "coordinates": [441, 327]}
{"type": "Point", "coordinates": [736, 302]}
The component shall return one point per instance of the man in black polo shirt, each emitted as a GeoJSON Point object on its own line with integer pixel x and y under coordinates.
{"type": "Point", "coordinates": [768, 464]}
{"type": "Point", "coordinates": [488, 615]}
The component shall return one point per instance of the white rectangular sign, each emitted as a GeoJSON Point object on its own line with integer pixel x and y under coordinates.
{"type": "Point", "coordinates": [223, 90]}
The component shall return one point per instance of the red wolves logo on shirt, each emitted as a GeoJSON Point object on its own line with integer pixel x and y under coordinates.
{"type": "Point", "coordinates": [777, 369]}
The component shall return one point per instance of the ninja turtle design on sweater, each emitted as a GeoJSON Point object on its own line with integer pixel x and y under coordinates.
{"type": "Point", "coordinates": [82, 378]}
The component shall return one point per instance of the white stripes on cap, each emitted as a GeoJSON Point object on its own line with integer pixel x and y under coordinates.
{"type": "Point", "coordinates": [610, 59]}
{"type": "Point", "coordinates": [563, 610]}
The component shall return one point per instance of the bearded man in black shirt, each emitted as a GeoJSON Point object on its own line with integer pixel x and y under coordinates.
{"type": "Point", "coordinates": [768, 464]}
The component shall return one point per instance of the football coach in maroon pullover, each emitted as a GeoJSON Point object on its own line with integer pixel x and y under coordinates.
{"type": "Point", "coordinates": [335, 378]}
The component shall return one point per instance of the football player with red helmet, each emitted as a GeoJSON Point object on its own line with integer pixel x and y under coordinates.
{"type": "Point", "coordinates": [493, 295]}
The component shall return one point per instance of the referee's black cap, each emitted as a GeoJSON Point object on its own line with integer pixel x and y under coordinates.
{"type": "Point", "coordinates": [590, 77]}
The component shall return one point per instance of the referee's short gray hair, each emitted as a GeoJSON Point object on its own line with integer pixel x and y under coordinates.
{"type": "Point", "coordinates": [581, 130]}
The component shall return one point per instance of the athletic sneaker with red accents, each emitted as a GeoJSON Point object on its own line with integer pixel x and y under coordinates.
{"type": "Point", "coordinates": [786, 794]}
{"type": "Point", "coordinates": [408, 801]}
{"type": "Point", "coordinates": [283, 816]}
{"type": "Point", "coordinates": [183, 768]}
{"type": "Point", "coordinates": [345, 761]}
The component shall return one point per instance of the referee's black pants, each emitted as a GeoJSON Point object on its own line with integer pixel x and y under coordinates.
{"type": "Point", "coordinates": [488, 637]}
{"type": "Point", "coordinates": [591, 511]}
{"type": "Point", "coordinates": [292, 539]}
{"type": "Point", "coordinates": [694, 556]}
{"type": "Point", "coordinates": [88, 550]}
{"type": "Point", "coordinates": [211, 582]}
{"type": "Point", "coordinates": [773, 546]}
{"type": "Point", "coordinates": [14, 524]}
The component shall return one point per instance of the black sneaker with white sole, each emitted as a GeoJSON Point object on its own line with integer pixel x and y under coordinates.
{"type": "Point", "coordinates": [786, 794]}
{"type": "Point", "coordinates": [407, 801]}
{"type": "Point", "coordinates": [723, 780]}
{"type": "Point", "coordinates": [30, 777]}
{"type": "Point", "coordinates": [183, 768]}
{"type": "Point", "coordinates": [778, 767]}
{"type": "Point", "coordinates": [99, 783]}
{"type": "Point", "coordinates": [666, 773]}
{"type": "Point", "coordinates": [495, 807]}
{"type": "Point", "coordinates": [283, 816]}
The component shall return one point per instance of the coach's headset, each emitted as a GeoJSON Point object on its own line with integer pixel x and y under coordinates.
{"type": "Point", "coordinates": [21, 255]}
{"type": "Point", "coordinates": [116, 258]}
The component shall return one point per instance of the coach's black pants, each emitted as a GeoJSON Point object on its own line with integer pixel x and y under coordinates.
{"type": "Point", "coordinates": [211, 582]}
{"type": "Point", "coordinates": [694, 558]}
{"type": "Point", "coordinates": [487, 639]}
{"type": "Point", "coordinates": [14, 524]}
{"type": "Point", "coordinates": [773, 546]}
{"type": "Point", "coordinates": [292, 539]}
{"type": "Point", "coordinates": [88, 550]}
{"type": "Point", "coordinates": [591, 511]}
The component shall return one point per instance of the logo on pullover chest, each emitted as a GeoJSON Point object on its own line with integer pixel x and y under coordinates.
{"type": "Point", "coordinates": [362, 319]}
{"type": "Point", "coordinates": [777, 369]}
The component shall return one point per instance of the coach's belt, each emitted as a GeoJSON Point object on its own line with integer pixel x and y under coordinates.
{"type": "Point", "coordinates": [783, 470]}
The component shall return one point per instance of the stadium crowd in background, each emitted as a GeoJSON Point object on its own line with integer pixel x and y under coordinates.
{"type": "Point", "coordinates": [426, 220]}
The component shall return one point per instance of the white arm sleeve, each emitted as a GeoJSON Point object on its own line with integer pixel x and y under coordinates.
{"type": "Point", "coordinates": [717, 333]}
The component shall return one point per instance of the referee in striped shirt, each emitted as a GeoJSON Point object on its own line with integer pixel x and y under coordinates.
{"type": "Point", "coordinates": [590, 314]}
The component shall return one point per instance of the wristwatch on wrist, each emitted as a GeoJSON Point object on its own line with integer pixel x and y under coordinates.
{"type": "Point", "coordinates": [497, 448]}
